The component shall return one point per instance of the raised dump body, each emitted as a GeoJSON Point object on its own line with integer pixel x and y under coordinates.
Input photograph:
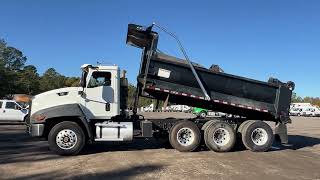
{"type": "Point", "coordinates": [165, 77]}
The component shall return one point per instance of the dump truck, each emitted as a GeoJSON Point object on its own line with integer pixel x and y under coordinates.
{"type": "Point", "coordinates": [97, 111]}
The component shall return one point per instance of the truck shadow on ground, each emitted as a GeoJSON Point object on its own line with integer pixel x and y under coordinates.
{"type": "Point", "coordinates": [126, 173]}
{"type": "Point", "coordinates": [296, 142]}
{"type": "Point", "coordinates": [16, 146]}
{"type": "Point", "coordinates": [135, 145]}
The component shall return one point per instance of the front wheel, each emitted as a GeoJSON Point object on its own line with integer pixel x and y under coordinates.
{"type": "Point", "coordinates": [66, 138]}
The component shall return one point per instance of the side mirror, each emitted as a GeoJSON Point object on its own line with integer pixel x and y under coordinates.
{"type": "Point", "coordinates": [83, 81]}
{"type": "Point", "coordinates": [16, 107]}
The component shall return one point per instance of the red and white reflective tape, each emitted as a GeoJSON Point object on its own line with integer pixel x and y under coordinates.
{"type": "Point", "coordinates": [201, 97]}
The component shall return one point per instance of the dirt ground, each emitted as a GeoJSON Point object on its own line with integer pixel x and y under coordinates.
{"type": "Point", "coordinates": [22, 157]}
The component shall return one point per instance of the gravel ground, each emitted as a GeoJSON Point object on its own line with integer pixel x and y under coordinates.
{"type": "Point", "coordinates": [22, 157]}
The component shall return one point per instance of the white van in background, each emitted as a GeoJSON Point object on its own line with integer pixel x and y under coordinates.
{"type": "Point", "coordinates": [12, 111]}
{"type": "Point", "coordinates": [149, 108]}
{"type": "Point", "coordinates": [312, 112]}
{"type": "Point", "coordinates": [179, 108]}
{"type": "Point", "coordinates": [296, 111]}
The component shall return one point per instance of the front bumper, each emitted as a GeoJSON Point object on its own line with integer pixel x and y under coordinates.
{"type": "Point", "coordinates": [35, 130]}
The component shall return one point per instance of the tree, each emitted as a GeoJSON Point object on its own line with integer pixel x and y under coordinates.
{"type": "Point", "coordinates": [72, 82]}
{"type": "Point", "coordinates": [311, 100]}
{"type": "Point", "coordinates": [16, 78]}
{"type": "Point", "coordinates": [51, 79]}
{"type": "Point", "coordinates": [131, 95]}
{"type": "Point", "coordinates": [142, 100]}
{"type": "Point", "coordinates": [28, 81]}
{"type": "Point", "coordinates": [12, 60]}
{"type": "Point", "coordinates": [295, 98]}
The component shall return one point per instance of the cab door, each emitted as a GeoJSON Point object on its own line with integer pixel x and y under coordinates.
{"type": "Point", "coordinates": [99, 95]}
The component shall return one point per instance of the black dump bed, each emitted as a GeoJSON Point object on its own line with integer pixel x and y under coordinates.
{"type": "Point", "coordinates": [162, 76]}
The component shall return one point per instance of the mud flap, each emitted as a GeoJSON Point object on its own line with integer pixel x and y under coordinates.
{"type": "Point", "coordinates": [282, 133]}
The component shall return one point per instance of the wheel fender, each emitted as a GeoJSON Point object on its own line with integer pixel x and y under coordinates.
{"type": "Point", "coordinates": [282, 133]}
{"type": "Point", "coordinates": [67, 110]}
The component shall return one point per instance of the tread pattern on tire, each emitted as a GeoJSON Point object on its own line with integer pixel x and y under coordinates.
{"type": "Point", "coordinates": [66, 125]}
{"type": "Point", "coordinates": [246, 136]}
{"type": "Point", "coordinates": [173, 133]}
{"type": "Point", "coordinates": [209, 132]}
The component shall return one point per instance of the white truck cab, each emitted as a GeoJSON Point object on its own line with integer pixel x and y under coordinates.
{"type": "Point", "coordinates": [12, 111]}
{"type": "Point", "coordinates": [101, 97]}
{"type": "Point", "coordinates": [93, 106]}
{"type": "Point", "coordinates": [98, 97]}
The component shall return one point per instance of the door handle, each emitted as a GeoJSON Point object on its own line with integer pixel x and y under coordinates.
{"type": "Point", "coordinates": [4, 111]}
{"type": "Point", "coordinates": [107, 106]}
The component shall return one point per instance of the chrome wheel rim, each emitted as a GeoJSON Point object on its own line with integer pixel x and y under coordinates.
{"type": "Point", "coordinates": [221, 136]}
{"type": "Point", "coordinates": [66, 139]}
{"type": "Point", "coordinates": [185, 136]}
{"type": "Point", "coordinates": [259, 136]}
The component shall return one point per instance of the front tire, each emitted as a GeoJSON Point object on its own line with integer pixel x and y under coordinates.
{"type": "Point", "coordinates": [185, 136]}
{"type": "Point", "coordinates": [66, 138]}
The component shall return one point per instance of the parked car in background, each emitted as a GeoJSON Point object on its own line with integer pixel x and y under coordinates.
{"type": "Point", "coordinates": [12, 111]}
{"type": "Point", "coordinates": [179, 108]}
{"type": "Point", "coordinates": [149, 108]}
{"type": "Point", "coordinates": [295, 111]}
{"type": "Point", "coordinates": [311, 112]}
{"type": "Point", "coordinates": [200, 112]}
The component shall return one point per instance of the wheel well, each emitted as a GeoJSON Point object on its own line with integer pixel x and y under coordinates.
{"type": "Point", "coordinates": [204, 111]}
{"type": "Point", "coordinates": [51, 122]}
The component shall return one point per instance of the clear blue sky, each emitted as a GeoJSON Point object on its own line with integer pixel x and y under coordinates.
{"type": "Point", "coordinates": [255, 39]}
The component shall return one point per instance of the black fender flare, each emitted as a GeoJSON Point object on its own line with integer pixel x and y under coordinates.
{"type": "Point", "coordinates": [66, 110]}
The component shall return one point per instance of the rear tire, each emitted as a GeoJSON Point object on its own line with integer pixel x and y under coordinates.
{"type": "Point", "coordinates": [220, 137]}
{"type": "Point", "coordinates": [242, 126]}
{"type": "Point", "coordinates": [185, 136]}
{"type": "Point", "coordinates": [66, 138]}
{"type": "Point", "coordinates": [257, 136]}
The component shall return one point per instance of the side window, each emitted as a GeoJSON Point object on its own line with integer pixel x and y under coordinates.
{"type": "Point", "coordinates": [10, 105]}
{"type": "Point", "coordinates": [100, 79]}
{"type": "Point", "coordinates": [0, 104]}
